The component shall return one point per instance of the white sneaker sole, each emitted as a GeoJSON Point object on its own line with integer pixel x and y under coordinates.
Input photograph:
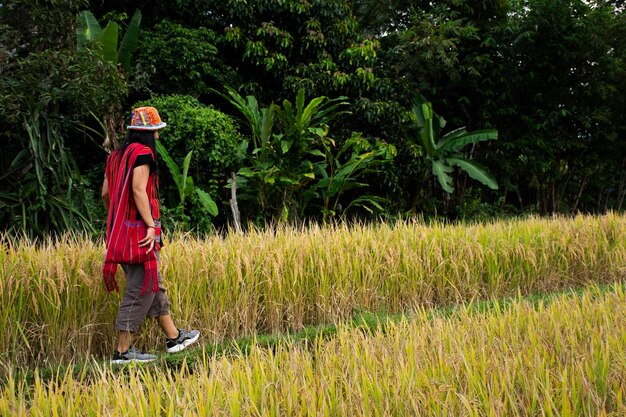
{"type": "Point", "coordinates": [125, 361]}
{"type": "Point", "coordinates": [183, 345]}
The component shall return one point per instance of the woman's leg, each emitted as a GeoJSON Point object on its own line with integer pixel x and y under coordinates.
{"type": "Point", "coordinates": [134, 306]}
{"type": "Point", "coordinates": [177, 339]}
{"type": "Point", "coordinates": [160, 310]}
{"type": "Point", "coordinates": [168, 327]}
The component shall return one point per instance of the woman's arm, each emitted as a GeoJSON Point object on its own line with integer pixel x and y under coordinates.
{"type": "Point", "coordinates": [105, 193]}
{"type": "Point", "coordinates": [141, 174]}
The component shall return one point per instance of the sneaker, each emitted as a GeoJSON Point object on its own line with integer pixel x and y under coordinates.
{"type": "Point", "coordinates": [184, 339]}
{"type": "Point", "coordinates": [131, 355]}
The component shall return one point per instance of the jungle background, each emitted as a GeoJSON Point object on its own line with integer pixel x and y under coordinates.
{"type": "Point", "coordinates": [323, 110]}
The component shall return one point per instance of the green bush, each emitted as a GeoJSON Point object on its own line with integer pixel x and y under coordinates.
{"type": "Point", "coordinates": [210, 134]}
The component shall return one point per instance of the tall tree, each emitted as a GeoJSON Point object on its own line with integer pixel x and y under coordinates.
{"type": "Point", "coordinates": [48, 88]}
{"type": "Point", "coordinates": [564, 71]}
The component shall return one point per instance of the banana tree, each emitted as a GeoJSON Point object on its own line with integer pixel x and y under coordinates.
{"type": "Point", "coordinates": [445, 152]}
{"type": "Point", "coordinates": [300, 120]}
{"type": "Point", "coordinates": [88, 30]}
{"type": "Point", "coordinates": [260, 120]}
{"type": "Point", "coordinates": [286, 148]}
{"type": "Point", "coordinates": [261, 173]}
{"type": "Point", "coordinates": [344, 169]}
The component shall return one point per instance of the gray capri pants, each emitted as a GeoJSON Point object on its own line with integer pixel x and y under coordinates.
{"type": "Point", "coordinates": [136, 306]}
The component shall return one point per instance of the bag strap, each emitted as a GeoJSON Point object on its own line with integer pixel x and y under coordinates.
{"type": "Point", "coordinates": [132, 209]}
{"type": "Point", "coordinates": [129, 211]}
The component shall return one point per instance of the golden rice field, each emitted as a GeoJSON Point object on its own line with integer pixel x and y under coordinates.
{"type": "Point", "coordinates": [54, 308]}
{"type": "Point", "coordinates": [562, 358]}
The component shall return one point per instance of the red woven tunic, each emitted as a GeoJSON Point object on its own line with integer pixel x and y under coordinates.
{"type": "Point", "coordinates": [122, 209]}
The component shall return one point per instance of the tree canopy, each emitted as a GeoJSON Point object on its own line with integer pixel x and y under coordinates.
{"type": "Point", "coordinates": [547, 75]}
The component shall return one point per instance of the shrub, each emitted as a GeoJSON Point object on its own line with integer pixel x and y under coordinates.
{"type": "Point", "coordinates": [210, 134]}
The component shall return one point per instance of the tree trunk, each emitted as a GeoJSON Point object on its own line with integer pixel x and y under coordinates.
{"type": "Point", "coordinates": [580, 193]}
{"type": "Point", "coordinates": [233, 203]}
{"type": "Point", "coordinates": [621, 191]}
{"type": "Point", "coordinates": [114, 122]}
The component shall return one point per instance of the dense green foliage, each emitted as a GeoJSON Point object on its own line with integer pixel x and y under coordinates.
{"type": "Point", "coordinates": [295, 166]}
{"type": "Point", "coordinates": [212, 138]}
{"type": "Point", "coordinates": [183, 60]}
{"type": "Point", "coordinates": [548, 75]}
{"type": "Point", "coordinates": [48, 89]}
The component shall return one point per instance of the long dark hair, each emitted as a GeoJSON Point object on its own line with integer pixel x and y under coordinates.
{"type": "Point", "coordinates": [145, 137]}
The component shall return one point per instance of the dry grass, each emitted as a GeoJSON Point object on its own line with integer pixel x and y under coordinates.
{"type": "Point", "coordinates": [54, 308]}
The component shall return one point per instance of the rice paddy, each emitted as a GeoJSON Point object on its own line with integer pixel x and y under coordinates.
{"type": "Point", "coordinates": [563, 357]}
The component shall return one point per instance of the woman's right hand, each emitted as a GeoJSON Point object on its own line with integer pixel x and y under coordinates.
{"type": "Point", "coordinates": [149, 240]}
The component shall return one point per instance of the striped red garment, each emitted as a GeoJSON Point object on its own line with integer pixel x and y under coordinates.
{"type": "Point", "coordinates": [124, 231]}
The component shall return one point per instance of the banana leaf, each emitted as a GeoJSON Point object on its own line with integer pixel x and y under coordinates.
{"type": "Point", "coordinates": [87, 28]}
{"type": "Point", "coordinates": [207, 202]}
{"type": "Point", "coordinates": [475, 171]}
{"type": "Point", "coordinates": [456, 140]}
{"type": "Point", "coordinates": [129, 42]}
{"type": "Point", "coordinates": [441, 170]}
{"type": "Point", "coordinates": [108, 40]}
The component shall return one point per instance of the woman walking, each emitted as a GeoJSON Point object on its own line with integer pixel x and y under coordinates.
{"type": "Point", "coordinates": [130, 194]}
